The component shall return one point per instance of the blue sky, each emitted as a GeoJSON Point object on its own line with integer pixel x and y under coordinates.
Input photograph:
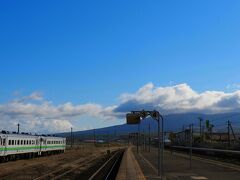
{"type": "Point", "coordinates": [93, 51]}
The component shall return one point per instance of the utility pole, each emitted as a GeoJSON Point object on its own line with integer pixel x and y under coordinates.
{"type": "Point", "coordinates": [200, 128]}
{"type": "Point", "coordinates": [211, 132]}
{"type": "Point", "coordinates": [71, 138]}
{"type": "Point", "coordinates": [162, 147]}
{"type": "Point", "coordinates": [191, 137]}
{"type": "Point", "coordinates": [143, 140]}
{"type": "Point", "coordinates": [18, 128]}
{"type": "Point", "coordinates": [108, 140]}
{"type": "Point", "coordinates": [138, 138]}
{"type": "Point", "coordinates": [94, 137]}
{"type": "Point", "coordinates": [228, 134]}
{"type": "Point", "coordinates": [149, 137]}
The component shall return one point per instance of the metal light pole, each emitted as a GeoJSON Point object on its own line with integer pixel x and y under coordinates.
{"type": "Point", "coordinates": [134, 118]}
{"type": "Point", "coordinates": [162, 150]}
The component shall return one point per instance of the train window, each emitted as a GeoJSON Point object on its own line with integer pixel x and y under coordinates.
{"type": "Point", "coordinates": [18, 142]}
{"type": "Point", "coordinates": [4, 142]}
{"type": "Point", "coordinates": [15, 142]}
{"type": "Point", "coordinates": [12, 142]}
{"type": "Point", "coordinates": [21, 142]}
{"type": "Point", "coordinates": [30, 141]}
{"type": "Point", "coordinates": [9, 142]}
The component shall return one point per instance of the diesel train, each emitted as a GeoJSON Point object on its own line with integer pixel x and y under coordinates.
{"type": "Point", "coordinates": [14, 146]}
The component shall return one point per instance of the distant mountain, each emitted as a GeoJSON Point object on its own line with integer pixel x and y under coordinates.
{"type": "Point", "coordinates": [172, 122]}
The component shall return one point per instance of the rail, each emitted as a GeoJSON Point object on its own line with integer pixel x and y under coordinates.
{"type": "Point", "coordinates": [110, 168]}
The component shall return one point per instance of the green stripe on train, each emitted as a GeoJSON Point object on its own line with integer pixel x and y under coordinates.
{"type": "Point", "coordinates": [30, 147]}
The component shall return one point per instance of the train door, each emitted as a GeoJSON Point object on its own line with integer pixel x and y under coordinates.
{"type": "Point", "coordinates": [42, 145]}
{"type": "Point", "coordinates": [2, 146]}
{"type": "Point", "coordinates": [44, 142]}
{"type": "Point", "coordinates": [39, 145]}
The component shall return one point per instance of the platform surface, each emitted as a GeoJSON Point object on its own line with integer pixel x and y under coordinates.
{"type": "Point", "coordinates": [129, 168]}
{"type": "Point", "coordinates": [177, 166]}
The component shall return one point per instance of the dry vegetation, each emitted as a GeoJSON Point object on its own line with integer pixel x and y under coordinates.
{"type": "Point", "coordinates": [36, 167]}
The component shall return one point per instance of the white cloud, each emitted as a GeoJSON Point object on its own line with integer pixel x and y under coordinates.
{"type": "Point", "coordinates": [180, 98]}
{"type": "Point", "coordinates": [37, 114]}
{"type": "Point", "coordinates": [43, 116]}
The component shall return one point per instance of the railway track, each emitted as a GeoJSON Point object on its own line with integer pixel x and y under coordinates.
{"type": "Point", "coordinates": [109, 169]}
{"type": "Point", "coordinates": [84, 168]}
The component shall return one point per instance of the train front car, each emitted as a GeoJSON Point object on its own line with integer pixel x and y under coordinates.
{"type": "Point", "coordinates": [2, 145]}
{"type": "Point", "coordinates": [19, 146]}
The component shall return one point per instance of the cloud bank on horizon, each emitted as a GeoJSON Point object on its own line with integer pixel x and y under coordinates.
{"type": "Point", "coordinates": [37, 114]}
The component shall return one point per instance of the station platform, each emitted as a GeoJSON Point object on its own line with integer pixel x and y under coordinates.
{"type": "Point", "coordinates": [129, 168]}
{"type": "Point", "coordinates": [176, 166]}
{"type": "Point", "coordinates": [143, 165]}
